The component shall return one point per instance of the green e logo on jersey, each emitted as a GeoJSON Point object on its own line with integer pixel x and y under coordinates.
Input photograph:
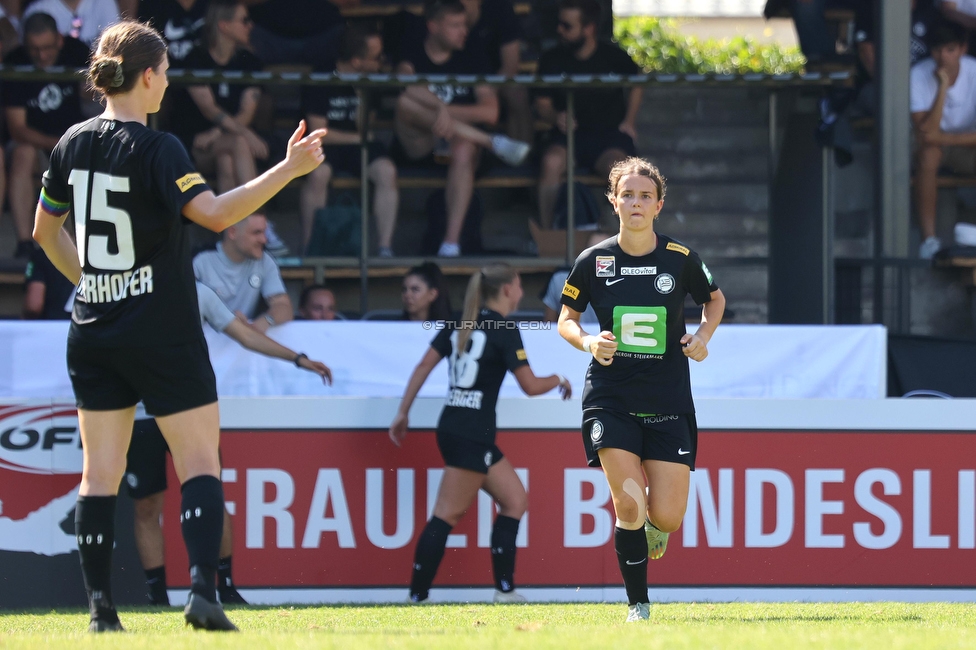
{"type": "Point", "coordinates": [641, 329]}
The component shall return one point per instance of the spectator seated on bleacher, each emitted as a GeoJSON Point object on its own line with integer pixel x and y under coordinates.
{"type": "Point", "coordinates": [424, 295]}
{"type": "Point", "coordinates": [604, 129]}
{"type": "Point", "coordinates": [493, 28]}
{"type": "Point", "coordinates": [296, 32]}
{"type": "Point", "coordinates": [338, 109]}
{"type": "Point", "coordinates": [38, 113]}
{"type": "Point", "coordinates": [924, 15]}
{"type": "Point", "coordinates": [817, 43]}
{"type": "Point", "coordinates": [80, 19]}
{"type": "Point", "coordinates": [437, 121]}
{"type": "Point", "coordinates": [318, 303]}
{"type": "Point", "coordinates": [181, 22]}
{"type": "Point", "coordinates": [48, 294]}
{"type": "Point", "coordinates": [242, 274]}
{"type": "Point", "coordinates": [9, 37]}
{"type": "Point", "coordinates": [216, 126]}
{"type": "Point", "coordinates": [943, 107]}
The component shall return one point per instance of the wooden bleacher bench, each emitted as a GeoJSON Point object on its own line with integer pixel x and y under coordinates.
{"type": "Point", "coordinates": [12, 271]}
{"type": "Point", "coordinates": [380, 9]}
{"type": "Point", "coordinates": [409, 180]}
{"type": "Point", "coordinates": [965, 264]}
{"type": "Point", "coordinates": [462, 267]}
{"type": "Point", "coordinates": [953, 182]}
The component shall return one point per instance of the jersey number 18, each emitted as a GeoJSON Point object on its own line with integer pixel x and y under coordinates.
{"type": "Point", "coordinates": [464, 366]}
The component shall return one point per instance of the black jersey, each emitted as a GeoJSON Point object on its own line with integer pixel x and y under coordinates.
{"type": "Point", "coordinates": [495, 347]}
{"type": "Point", "coordinates": [126, 186]}
{"type": "Point", "coordinates": [641, 300]}
{"type": "Point", "coordinates": [465, 62]}
{"type": "Point", "coordinates": [181, 27]}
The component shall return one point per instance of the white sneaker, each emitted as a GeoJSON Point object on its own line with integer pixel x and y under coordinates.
{"type": "Point", "coordinates": [510, 151]}
{"type": "Point", "coordinates": [274, 245]}
{"type": "Point", "coordinates": [509, 597]}
{"type": "Point", "coordinates": [448, 249]}
{"type": "Point", "coordinates": [639, 612]}
{"type": "Point", "coordinates": [929, 248]}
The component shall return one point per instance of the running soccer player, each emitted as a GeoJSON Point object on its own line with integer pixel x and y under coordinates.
{"type": "Point", "coordinates": [638, 413]}
{"type": "Point", "coordinates": [480, 352]}
{"type": "Point", "coordinates": [145, 469]}
{"type": "Point", "coordinates": [135, 331]}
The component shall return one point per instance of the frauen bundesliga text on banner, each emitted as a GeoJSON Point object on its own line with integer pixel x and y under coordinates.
{"type": "Point", "coordinates": [319, 509]}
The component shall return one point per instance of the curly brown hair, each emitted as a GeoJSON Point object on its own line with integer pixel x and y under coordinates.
{"type": "Point", "coordinates": [638, 167]}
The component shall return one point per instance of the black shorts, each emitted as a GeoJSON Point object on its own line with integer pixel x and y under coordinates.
{"type": "Point", "coordinates": [671, 438]}
{"type": "Point", "coordinates": [145, 466]}
{"type": "Point", "coordinates": [345, 158]}
{"type": "Point", "coordinates": [168, 379]}
{"type": "Point", "coordinates": [467, 454]}
{"type": "Point", "coordinates": [590, 145]}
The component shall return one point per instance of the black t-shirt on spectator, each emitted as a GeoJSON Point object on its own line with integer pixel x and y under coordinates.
{"type": "Point", "coordinates": [296, 18]}
{"type": "Point", "coordinates": [923, 17]}
{"type": "Point", "coordinates": [338, 104]}
{"type": "Point", "coordinates": [227, 95]}
{"type": "Point", "coordinates": [497, 26]}
{"type": "Point", "coordinates": [181, 28]}
{"type": "Point", "coordinates": [51, 107]}
{"type": "Point", "coordinates": [595, 109]}
{"type": "Point", "coordinates": [464, 62]}
{"type": "Point", "coordinates": [57, 288]}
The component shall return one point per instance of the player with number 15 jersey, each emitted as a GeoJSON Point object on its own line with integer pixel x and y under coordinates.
{"type": "Point", "coordinates": [127, 185]}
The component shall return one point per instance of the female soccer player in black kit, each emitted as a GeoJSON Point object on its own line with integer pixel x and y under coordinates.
{"type": "Point", "coordinates": [638, 414]}
{"type": "Point", "coordinates": [135, 331]}
{"type": "Point", "coordinates": [480, 351]}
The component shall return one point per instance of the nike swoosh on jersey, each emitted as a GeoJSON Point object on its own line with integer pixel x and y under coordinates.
{"type": "Point", "coordinates": [172, 32]}
{"type": "Point", "coordinates": [682, 452]}
{"type": "Point", "coordinates": [609, 282]}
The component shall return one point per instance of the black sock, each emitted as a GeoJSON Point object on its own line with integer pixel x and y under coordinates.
{"type": "Point", "coordinates": [631, 547]}
{"type": "Point", "coordinates": [225, 569]}
{"type": "Point", "coordinates": [156, 584]}
{"type": "Point", "coordinates": [503, 535]}
{"type": "Point", "coordinates": [95, 532]}
{"type": "Point", "coordinates": [202, 520]}
{"type": "Point", "coordinates": [428, 556]}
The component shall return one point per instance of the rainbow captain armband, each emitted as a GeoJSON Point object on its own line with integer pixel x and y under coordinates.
{"type": "Point", "coordinates": [50, 205]}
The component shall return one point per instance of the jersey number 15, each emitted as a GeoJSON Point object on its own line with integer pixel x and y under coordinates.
{"type": "Point", "coordinates": [96, 208]}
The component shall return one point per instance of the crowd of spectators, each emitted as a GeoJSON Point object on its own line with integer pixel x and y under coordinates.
{"type": "Point", "coordinates": [456, 130]}
{"type": "Point", "coordinates": [942, 88]}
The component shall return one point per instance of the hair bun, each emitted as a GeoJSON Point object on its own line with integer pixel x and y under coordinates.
{"type": "Point", "coordinates": [107, 73]}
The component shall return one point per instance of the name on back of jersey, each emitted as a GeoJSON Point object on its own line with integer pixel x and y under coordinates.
{"type": "Point", "coordinates": [466, 399]}
{"type": "Point", "coordinates": [101, 288]}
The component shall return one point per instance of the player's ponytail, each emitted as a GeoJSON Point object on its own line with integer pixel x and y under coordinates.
{"type": "Point", "coordinates": [483, 285]}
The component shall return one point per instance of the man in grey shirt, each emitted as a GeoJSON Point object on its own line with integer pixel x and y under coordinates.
{"type": "Point", "coordinates": [241, 273]}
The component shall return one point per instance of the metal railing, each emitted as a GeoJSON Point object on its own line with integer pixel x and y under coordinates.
{"type": "Point", "coordinates": [568, 83]}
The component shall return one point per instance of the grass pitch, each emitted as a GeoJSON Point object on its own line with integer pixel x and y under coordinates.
{"type": "Point", "coordinates": [889, 626]}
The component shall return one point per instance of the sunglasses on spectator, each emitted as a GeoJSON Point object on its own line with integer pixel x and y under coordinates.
{"type": "Point", "coordinates": [563, 25]}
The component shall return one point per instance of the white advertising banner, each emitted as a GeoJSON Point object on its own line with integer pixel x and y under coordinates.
{"type": "Point", "coordinates": [375, 359]}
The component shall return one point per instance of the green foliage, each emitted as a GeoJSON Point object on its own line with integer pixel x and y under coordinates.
{"type": "Point", "coordinates": [657, 46]}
